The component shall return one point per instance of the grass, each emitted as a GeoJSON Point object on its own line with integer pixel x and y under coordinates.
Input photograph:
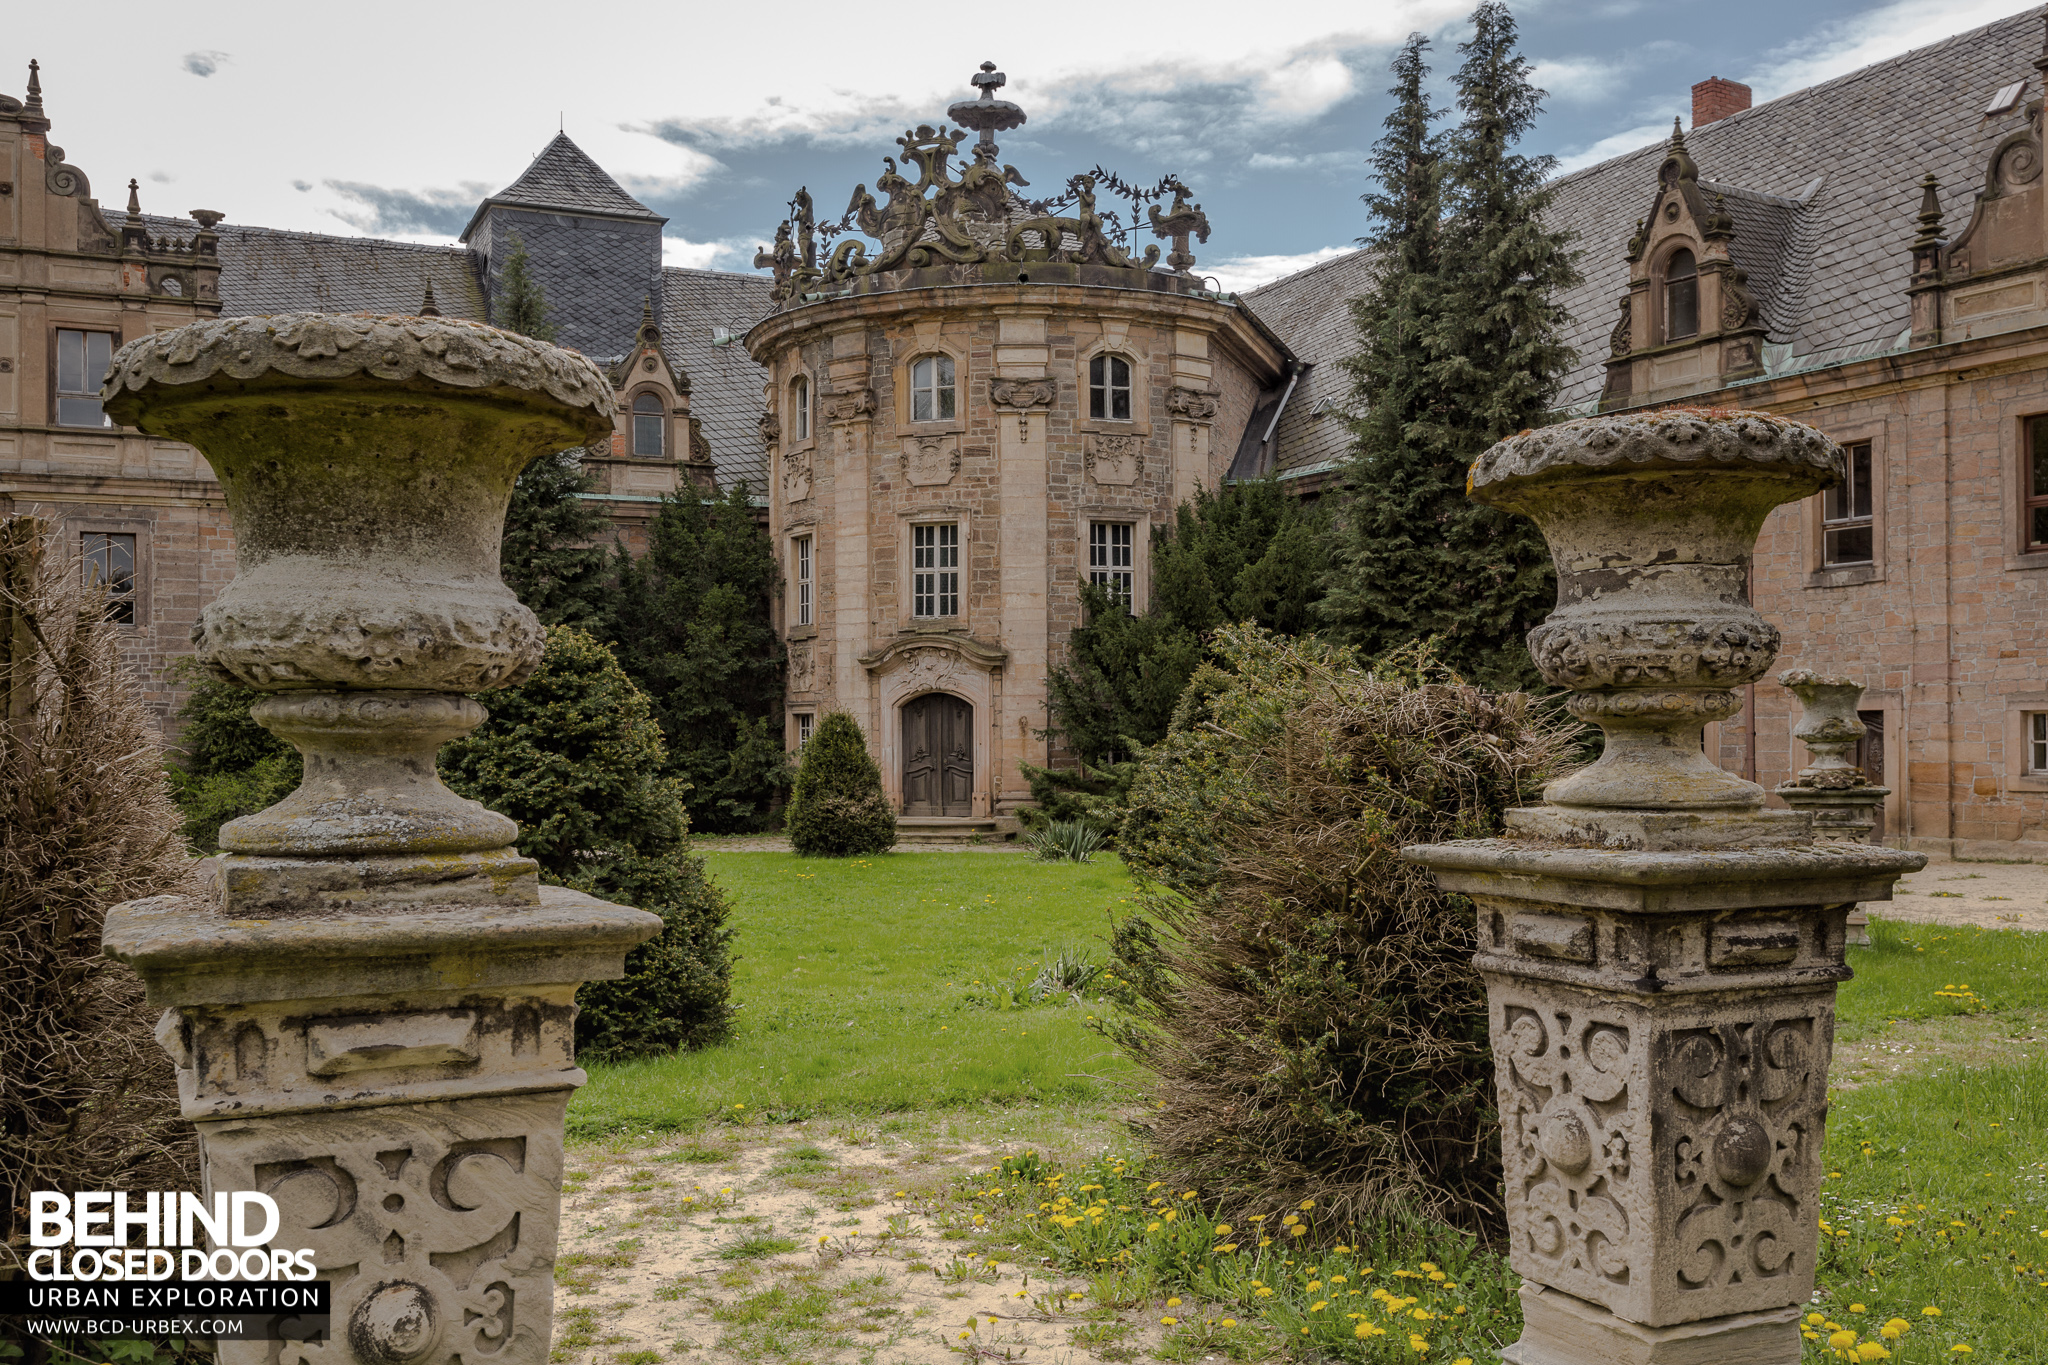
{"type": "Point", "coordinates": [885, 985]}
{"type": "Point", "coordinates": [1912, 972]}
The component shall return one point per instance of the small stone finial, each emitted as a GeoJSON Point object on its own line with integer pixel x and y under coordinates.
{"type": "Point", "coordinates": [987, 115]}
{"type": "Point", "coordinates": [206, 218]}
{"type": "Point", "coordinates": [1678, 132]}
{"type": "Point", "coordinates": [35, 87]}
{"type": "Point", "coordinates": [1930, 213]}
{"type": "Point", "coordinates": [429, 308]}
{"type": "Point", "coordinates": [134, 201]}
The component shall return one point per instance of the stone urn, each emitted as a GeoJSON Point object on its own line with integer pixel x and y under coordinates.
{"type": "Point", "coordinates": [1832, 790]}
{"type": "Point", "coordinates": [1660, 953]}
{"type": "Point", "coordinates": [372, 1014]}
{"type": "Point", "coordinates": [1651, 520]}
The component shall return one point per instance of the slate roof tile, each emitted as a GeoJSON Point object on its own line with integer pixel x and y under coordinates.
{"type": "Point", "coordinates": [270, 270]}
{"type": "Point", "coordinates": [564, 177]}
{"type": "Point", "coordinates": [725, 383]}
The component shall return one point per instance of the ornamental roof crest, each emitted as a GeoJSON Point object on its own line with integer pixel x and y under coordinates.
{"type": "Point", "coordinates": [968, 223]}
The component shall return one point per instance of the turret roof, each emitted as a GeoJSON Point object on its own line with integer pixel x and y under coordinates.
{"type": "Point", "coordinates": [564, 177]}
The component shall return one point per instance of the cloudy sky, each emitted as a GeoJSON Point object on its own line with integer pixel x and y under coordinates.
{"type": "Point", "coordinates": [393, 119]}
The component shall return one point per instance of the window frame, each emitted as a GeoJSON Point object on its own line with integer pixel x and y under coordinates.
{"type": "Point", "coordinates": [2033, 499]}
{"type": "Point", "coordinates": [1103, 569]}
{"type": "Point", "coordinates": [659, 417]}
{"type": "Point", "coordinates": [1861, 510]}
{"type": "Point", "coordinates": [1102, 395]}
{"type": "Point", "coordinates": [2023, 712]}
{"type": "Point", "coordinates": [803, 578]}
{"type": "Point", "coordinates": [124, 599]}
{"type": "Point", "coordinates": [1820, 573]}
{"type": "Point", "coordinates": [943, 383]}
{"type": "Point", "coordinates": [935, 584]}
{"type": "Point", "coordinates": [800, 408]}
{"type": "Point", "coordinates": [802, 725]}
{"type": "Point", "coordinates": [1668, 283]}
{"type": "Point", "coordinates": [59, 395]}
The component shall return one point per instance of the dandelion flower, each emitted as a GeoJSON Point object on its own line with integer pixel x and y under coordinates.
{"type": "Point", "coordinates": [1168, 1322]}
{"type": "Point", "coordinates": [1228, 1322]}
{"type": "Point", "coordinates": [1960, 1350]}
{"type": "Point", "coordinates": [1858, 1308]}
{"type": "Point", "coordinates": [1930, 1311]}
{"type": "Point", "coordinates": [1173, 1303]}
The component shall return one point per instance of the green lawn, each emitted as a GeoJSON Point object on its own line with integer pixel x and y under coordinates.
{"type": "Point", "coordinates": [877, 985]}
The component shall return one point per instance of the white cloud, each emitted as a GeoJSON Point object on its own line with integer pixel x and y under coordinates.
{"type": "Point", "coordinates": [1619, 144]}
{"type": "Point", "coordinates": [1574, 80]}
{"type": "Point", "coordinates": [1843, 46]}
{"type": "Point", "coordinates": [1239, 273]}
{"type": "Point", "coordinates": [733, 253]}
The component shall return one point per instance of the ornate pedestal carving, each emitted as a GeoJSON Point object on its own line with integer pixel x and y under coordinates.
{"type": "Point", "coordinates": [1660, 953]}
{"type": "Point", "coordinates": [1832, 790]}
{"type": "Point", "coordinates": [373, 1012]}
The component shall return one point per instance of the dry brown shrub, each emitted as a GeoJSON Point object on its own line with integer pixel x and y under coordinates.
{"type": "Point", "coordinates": [1305, 998]}
{"type": "Point", "coordinates": [87, 1098]}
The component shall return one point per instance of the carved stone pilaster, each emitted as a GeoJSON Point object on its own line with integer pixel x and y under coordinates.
{"type": "Point", "coordinates": [1660, 954]}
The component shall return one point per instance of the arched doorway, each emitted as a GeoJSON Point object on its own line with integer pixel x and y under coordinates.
{"type": "Point", "coordinates": [938, 756]}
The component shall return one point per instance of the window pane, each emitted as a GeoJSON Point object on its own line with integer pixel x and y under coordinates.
{"type": "Point", "coordinates": [1849, 545]}
{"type": "Point", "coordinates": [70, 362]}
{"type": "Point", "coordinates": [110, 563]}
{"type": "Point", "coordinates": [1859, 478]}
{"type": "Point", "coordinates": [99, 358]}
{"type": "Point", "coordinates": [2037, 742]}
{"type": "Point", "coordinates": [646, 435]}
{"type": "Point", "coordinates": [1684, 308]}
{"type": "Point", "coordinates": [945, 370]}
{"type": "Point", "coordinates": [1120, 404]}
{"type": "Point", "coordinates": [2040, 530]}
{"type": "Point", "coordinates": [647, 402]}
{"type": "Point", "coordinates": [81, 412]}
{"type": "Point", "coordinates": [1835, 503]}
{"type": "Point", "coordinates": [1095, 368]}
{"type": "Point", "coordinates": [946, 396]}
{"type": "Point", "coordinates": [2037, 447]}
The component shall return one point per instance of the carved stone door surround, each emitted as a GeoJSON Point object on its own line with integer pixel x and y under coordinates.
{"type": "Point", "coordinates": [916, 663]}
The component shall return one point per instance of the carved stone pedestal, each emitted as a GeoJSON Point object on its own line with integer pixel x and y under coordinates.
{"type": "Point", "coordinates": [1660, 953]}
{"type": "Point", "coordinates": [373, 1010]}
{"type": "Point", "coordinates": [1831, 790]}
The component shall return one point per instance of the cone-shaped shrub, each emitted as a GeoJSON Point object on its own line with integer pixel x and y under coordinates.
{"type": "Point", "coordinates": [837, 808]}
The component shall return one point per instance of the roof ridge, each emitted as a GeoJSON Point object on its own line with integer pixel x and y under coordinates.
{"type": "Point", "coordinates": [1730, 187]}
{"type": "Point", "coordinates": [551, 180]}
{"type": "Point", "coordinates": [224, 229]}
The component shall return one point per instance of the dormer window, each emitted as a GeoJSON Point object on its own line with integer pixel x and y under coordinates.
{"type": "Point", "coordinates": [1681, 296]}
{"type": "Point", "coordinates": [1109, 388]}
{"type": "Point", "coordinates": [800, 410]}
{"type": "Point", "coordinates": [931, 389]}
{"type": "Point", "coordinates": [649, 434]}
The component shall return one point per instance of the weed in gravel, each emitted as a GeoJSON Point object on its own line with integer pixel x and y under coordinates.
{"type": "Point", "coordinates": [758, 1247]}
{"type": "Point", "coordinates": [578, 1271]}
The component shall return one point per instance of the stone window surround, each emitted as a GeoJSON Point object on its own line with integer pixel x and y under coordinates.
{"type": "Point", "coordinates": [1813, 514]}
{"type": "Point", "coordinates": [668, 419]}
{"type": "Point", "coordinates": [800, 629]}
{"type": "Point", "coordinates": [963, 386]}
{"type": "Point", "coordinates": [2012, 453]}
{"type": "Point", "coordinates": [2018, 706]}
{"type": "Point", "coordinates": [793, 735]}
{"type": "Point", "coordinates": [1659, 286]}
{"type": "Point", "coordinates": [72, 537]}
{"type": "Point", "coordinates": [103, 326]}
{"type": "Point", "coordinates": [1142, 387]}
{"type": "Point", "coordinates": [1141, 522]}
{"type": "Point", "coordinates": [933, 514]}
{"type": "Point", "coordinates": [791, 442]}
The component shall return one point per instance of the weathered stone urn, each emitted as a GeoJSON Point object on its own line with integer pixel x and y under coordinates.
{"type": "Point", "coordinates": [1660, 953]}
{"type": "Point", "coordinates": [1842, 802]}
{"type": "Point", "coordinates": [373, 1013]}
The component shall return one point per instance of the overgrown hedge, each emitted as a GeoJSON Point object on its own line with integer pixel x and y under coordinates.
{"type": "Point", "coordinates": [1305, 998]}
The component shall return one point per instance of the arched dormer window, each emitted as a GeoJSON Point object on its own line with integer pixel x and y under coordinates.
{"type": "Point", "coordinates": [931, 389]}
{"type": "Point", "coordinates": [1681, 296]}
{"type": "Point", "coordinates": [649, 427]}
{"type": "Point", "coordinates": [1109, 388]}
{"type": "Point", "coordinates": [800, 409]}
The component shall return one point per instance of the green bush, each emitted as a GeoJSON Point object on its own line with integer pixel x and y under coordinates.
{"type": "Point", "coordinates": [1093, 796]}
{"type": "Point", "coordinates": [1305, 998]}
{"type": "Point", "coordinates": [574, 755]}
{"type": "Point", "coordinates": [837, 808]}
{"type": "Point", "coordinates": [227, 765]}
{"type": "Point", "coordinates": [1064, 841]}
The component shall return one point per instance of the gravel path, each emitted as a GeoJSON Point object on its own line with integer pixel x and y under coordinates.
{"type": "Point", "coordinates": [1993, 895]}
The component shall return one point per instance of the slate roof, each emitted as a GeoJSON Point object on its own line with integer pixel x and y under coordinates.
{"type": "Point", "coordinates": [564, 177]}
{"type": "Point", "coordinates": [270, 270]}
{"type": "Point", "coordinates": [1833, 271]}
{"type": "Point", "coordinates": [725, 383]}
{"type": "Point", "coordinates": [1311, 310]}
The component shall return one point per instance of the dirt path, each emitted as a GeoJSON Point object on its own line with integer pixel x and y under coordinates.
{"type": "Point", "coordinates": [795, 1244]}
{"type": "Point", "coordinates": [1993, 895]}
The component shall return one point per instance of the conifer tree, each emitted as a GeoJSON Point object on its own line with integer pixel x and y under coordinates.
{"type": "Point", "coordinates": [1462, 355]}
{"type": "Point", "coordinates": [690, 622]}
{"type": "Point", "coordinates": [838, 808]}
{"type": "Point", "coordinates": [521, 306]}
{"type": "Point", "coordinates": [550, 558]}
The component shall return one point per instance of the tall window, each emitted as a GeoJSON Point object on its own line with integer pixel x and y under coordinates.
{"type": "Point", "coordinates": [931, 389]}
{"type": "Point", "coordinates": [1845, 512]}
{"type": "Point", "coordinates": [806, 721]}
{"type": "Point", "coordinates": [110, 564]}
{"type": "Point", "coordinates": [82, 362]}
{"type": "Point", "coordinates": [800, 410]}
{"type": "Point", "coordinates": [1109, 559]}
{"type": "Point", "coordinates": [935, 570]}
{"type": "Point", "coordinates": [1681, 296]}
{"type": "Point", "coordinates": [2037, 743]}
{"type": "Point", "coordinates": [647, 426]}
{"type": "Point", "coordinates": [1109, 388]}
{"type": "Point", "coordinates": [803, 580]}
{"type": "Point", "coordinates": [2034, 507]}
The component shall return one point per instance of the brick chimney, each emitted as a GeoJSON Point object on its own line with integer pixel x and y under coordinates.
{"type": "Point", "coordinates": [1715, 98]}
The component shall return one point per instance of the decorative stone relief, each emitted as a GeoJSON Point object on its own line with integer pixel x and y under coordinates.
{"type": "Point", "coordinates": [930, 461]}
{"type": "Point", "coordinates": [929, 670]}
{"type": "Point", "coordinates": [803, 669]}
{"type": "Point", "coordinates": [850, 406]}
{"type": "Point", "coordinates": [796, 474]}
{"type": "Point", "coordinates": [1022, 393]}
{"type": "Point", "coordinates": [1113, 460]}
{"type": "Point", "coordinates": [1619, 341]}
{"type": "Point", "coordinates": [1192, 404]}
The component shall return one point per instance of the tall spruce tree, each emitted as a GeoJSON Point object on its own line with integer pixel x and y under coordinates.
{"type": "Point", "coordinates": [552, 557]}
{"type": "Point", "coordinates": [521, 306]}
{"type": "Point", "coordinates": [689, 621]}
{"type": "Point", "coordinates": [1463, 345]}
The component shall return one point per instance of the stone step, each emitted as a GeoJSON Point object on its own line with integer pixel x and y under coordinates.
{"type": "Point", "coordinates": [949, 829]}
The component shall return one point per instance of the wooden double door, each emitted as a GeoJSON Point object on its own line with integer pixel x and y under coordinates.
{"type": "Point", "coordinates": [938, 756]}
